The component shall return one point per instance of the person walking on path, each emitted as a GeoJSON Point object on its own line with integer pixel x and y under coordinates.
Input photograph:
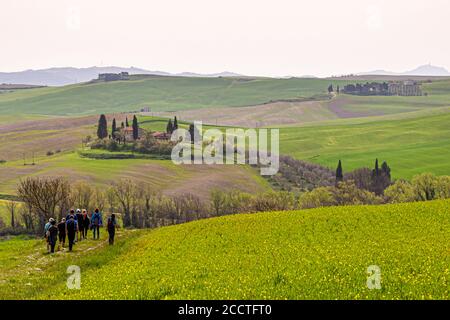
{"type": "Point", "coordinates": [96, 222]}
{"type": "Point", "coordinates": [46, 227]}
{"type": "Point", "coordinates": [111, 228]}
{"type": "Point", "coordinates": [86, 223]}
{"type": "Point", "coordinates": [52, 235]}
{"type": "Point", "coordinates": [71, 226]}
{"type": "Point", "coordinates": [62, 233]}
{"type": "Point", "coordinates": [79, 218]}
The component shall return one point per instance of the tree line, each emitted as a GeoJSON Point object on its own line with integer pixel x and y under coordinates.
{"type": "Point", "coordinates": [143, 206]}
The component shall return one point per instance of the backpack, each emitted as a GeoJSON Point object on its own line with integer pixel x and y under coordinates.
{"type": "Point", "coordinates": [71, 226]}
{"type": "Point", "coordinates": [95, 220]}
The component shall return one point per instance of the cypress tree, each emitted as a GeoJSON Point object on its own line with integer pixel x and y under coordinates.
{"type": "Point", "coordinates": [102, 129]}
{"type": "Point", "coordinates": [135, 128]}
{"type": "Point", "coordinates": [122, 125]}
{"type": "Point", "coordinates": [339, 173]}
{"type": "Point", "coordinates": [126, 122]}
{"type": "Point", "coordinates": [381, 179]}
{"type": "Point", "coordinates": [376, 171]}
{"type": "Point", "coordinates": [169, 127]}
{"type": "Point", "coordinates": [114, 128]}
{"type": "Point", "coordinates": [386, 170]}
{"type": "Point", "coordinates": [175, 123]}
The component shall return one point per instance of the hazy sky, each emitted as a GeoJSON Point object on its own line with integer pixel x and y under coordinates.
{"type": "Point", "coordinates": [255, 37]}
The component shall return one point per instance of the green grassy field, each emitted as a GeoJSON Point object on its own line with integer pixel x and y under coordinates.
{"type": "Point", "coordinates": [411, 144]}
{"type": "Point", "coordinates": [411, 133]}
{"type": "Point", "coordinates": [181, 93]}
{"type": "Point", "coordinates": [312, 254]}
{"type": "Point", "coordinates": [159, 93]}
{"type": "Point", "coordinates": [162, 175]}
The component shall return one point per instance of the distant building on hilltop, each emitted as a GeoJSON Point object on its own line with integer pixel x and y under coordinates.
{"type": "Point", "coordinates": [394, 88]}
{"type": "Point", "coordinates": [114, 76]}
{"type": "Point", "coordinates": [405, 88]}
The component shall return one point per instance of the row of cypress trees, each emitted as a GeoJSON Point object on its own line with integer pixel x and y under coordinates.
{"type": "Point", "coordinates": [172, 126]}
{"type": "Point", "coordinates": [381, 177]}
{"type": "Point", "coordinates": [102, 128]}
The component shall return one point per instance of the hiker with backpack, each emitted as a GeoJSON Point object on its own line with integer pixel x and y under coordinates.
{"type": "Point", "coordinates": [71, 227]}
{"type": "Point", "coordinates": [62, 233]}
{"type": "Point", "coordinates": [46, 227]}
{"type": "Point", "coordinates": [79, 218]}
{"type": "Point", "coordinates": [111, 228]}
{"type": "Point", "coordinates": [85, 222]}
{"type": "Point", "coordinates": [96, 222]}
{"type": "Point", "coordinates": [52, 235]}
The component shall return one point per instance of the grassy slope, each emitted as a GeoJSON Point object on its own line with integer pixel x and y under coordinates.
{"type": "Point", "coordinates": [412, 142]}
{"type": "Point", "coordinates": [66, 134]}
{"type": "Point", "coordinates": [341, 106]}
{"type": "Point", "coordinates": [313, 254]}
{"type": "Point", "coordinates": [438, 96]}
{"type": "Point", "coordinates": [179, 93]}
{"type": "Point", "coordinates": [411, 145]}
{"type": "Point", "coordinates": [163, 175]}
{"type": "Point", "coordinates": [160, 93]}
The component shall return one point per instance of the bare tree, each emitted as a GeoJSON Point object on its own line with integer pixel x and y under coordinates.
{"type": "Point", "coordinates": [81, 194]}
{"type": "Point", "coordinates": [43, 195]}
{"type": "Point", "coordinates": [137, 217]}
{"type": "Point", "coordinates": [98, 199]}
{"type": "Point", "coordinates": [26, 213]}
{"type": "Point", "coordinates": [11, 206]}
{"type": "Point", "coordinates": [111, 199]}
{"type": "Point", "coordinates": [125, 192]}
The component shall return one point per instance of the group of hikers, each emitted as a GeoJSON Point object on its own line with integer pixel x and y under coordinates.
{"type": "Point", "coordinates": [75, 227]}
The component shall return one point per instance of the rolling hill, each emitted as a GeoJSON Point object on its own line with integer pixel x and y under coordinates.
{"type": "Point", "coordinates": [410, 133]}
{"type": "Point", "coordinates": [312, 254]}
{"type": "Point", "coordinates": [411, 143]}
{"type": "Point", "coordinates": [157, 92]}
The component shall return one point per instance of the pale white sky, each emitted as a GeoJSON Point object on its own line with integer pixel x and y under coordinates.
{"type": "Point", "coordinates": [254, 37]}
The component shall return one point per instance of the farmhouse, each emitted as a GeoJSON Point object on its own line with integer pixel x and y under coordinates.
{"type": "Point", "coordinates": [161, 135]}
{"type": "Point", "coordinates": [393, 88]}
{"type": "Point", "coordinates": [113, 76]}
{"type": "Point", "coordinates": [127, 133]}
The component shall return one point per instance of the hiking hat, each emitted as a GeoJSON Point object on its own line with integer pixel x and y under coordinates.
{"type": "Point", "coordinates": [78, 210]}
